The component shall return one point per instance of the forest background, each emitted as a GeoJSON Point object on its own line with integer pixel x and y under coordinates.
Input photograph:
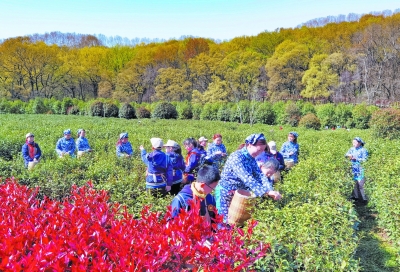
{"type": "Point", "coordinates": [350, 61]}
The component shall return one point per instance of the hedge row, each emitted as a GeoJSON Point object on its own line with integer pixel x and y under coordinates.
{"type": "Point", "coordinates": [282, 113]}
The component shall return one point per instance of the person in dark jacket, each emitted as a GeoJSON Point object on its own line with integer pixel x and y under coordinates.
{"type": "Point", "coordinates": [192, 160]}
{"type": "Point", "coordinates": [200, 190]}
{"type": "Point", "coordinates": [159, 168]}
{"type": "Point", "coordinates": [174, 152]}
{"type": "Point", "coordinates": [31, 151]}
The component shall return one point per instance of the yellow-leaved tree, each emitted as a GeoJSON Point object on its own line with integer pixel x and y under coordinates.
{"type": "Point", "coordinates": [286, 68]}
{"type": "Point", "coordinates": [319, 79]}
{"type": "Point", "coordinates": [172, 85]}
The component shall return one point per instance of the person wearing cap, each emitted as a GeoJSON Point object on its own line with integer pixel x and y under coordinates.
{"type": "Point", "coordinates": [216, 150]}
{"type": "Point", "coordinates": [31, 151]}
{"type": "Point", "coordinates": [159, 168]}
{"type": "Point", "coordinates": [358, 154]}
{"type": "Point", "coordinates": [66, 145]}
{"type": "Point", "coordinates": [202, 143]}
{"type": "Point", "coordinates": [174, 152]}
{"type": "Point", "coordinates": [291, 149]}
{"type": "Point", "coordinates": [124, 147]}
{"type": "Point", "coordinates": [192, 160]}
{"type": "Point", "coordinates": [274, 153]}
{"type": "Point", "coordinates": [242, 172]}
{"type": "Point", "coordinates": [82, 144]}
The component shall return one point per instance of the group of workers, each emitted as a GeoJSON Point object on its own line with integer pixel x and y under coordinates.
{"type": "Point", "coordinates": [251, 167]}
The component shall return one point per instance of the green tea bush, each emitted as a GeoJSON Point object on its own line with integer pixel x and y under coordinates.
{"type": "Point", "coordinates": [241, 112]}
{"type": "Point", "coordinates": [307, 107]}
{"type": "Point", "coordinates": [310, 121]}
{"type": "Point", "coordinates": [164, 110]}
{"type": "Point", "coordinates": [96, 109]}
{"type": "Point", "coordinates": [38, 107]}
{"type": "Point", "coordinates": [385, 123]}
{"type": "Point", "coordinates": [127, 111]}
{"type": "Point", "coordinates": [292, 114]}
{"type": "Point", "coordinates": [142, 112]}
{"type": "Point", "coordinates": [209, 112]}
{"type": "Point", "coordinates": [57, 107]}
{"type": "Point", "coordinates": [4, 106]}
{"type": "Point", "coordinates": [65, 104]}
{"type": "Point", "coordinates": [74, 110]}
{"type": "Point", "coordinates": [343, 113]}
{"type": "Point", "coordinates": [279, 110]}
{"type": "Point", "coordinates": [184, 110]}
{"type": "Point", "coordinates": [224, 112]}
{"type": "Point", "coordinates": [382, 188]}
{"type": "Point", "coordinates": [17, 107]}
{"type": "Point", "coordinates": [361, 116]}
{"type": "Point", "coordinates": [110, 109]}
{"type": "Point", "coordinates": [326, 114]}
{"type": "Point", "coordinates": [265, 114]}
{"type": "Point", "coordinates": [196, 110]}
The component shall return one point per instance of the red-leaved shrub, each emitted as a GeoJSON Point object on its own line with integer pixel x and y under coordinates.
{"type": "Point", "coordinates": [86, 232]}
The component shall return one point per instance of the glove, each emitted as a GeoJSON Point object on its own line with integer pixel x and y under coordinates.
{"type": "Point", "coordinates": [167, 188]}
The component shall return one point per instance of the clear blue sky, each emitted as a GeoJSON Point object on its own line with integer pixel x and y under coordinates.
{"type": "Point", "coordinates": [218, 19]}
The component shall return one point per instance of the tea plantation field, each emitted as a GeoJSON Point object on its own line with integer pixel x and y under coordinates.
{"type": "Point", "coordinates": [315, 227]}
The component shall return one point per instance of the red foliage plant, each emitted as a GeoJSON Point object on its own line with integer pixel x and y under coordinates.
{"type": "Point", "coordinates": [86, 232]}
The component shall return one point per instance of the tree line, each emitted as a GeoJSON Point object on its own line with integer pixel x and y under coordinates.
{"type": "Point", "coordinates": [349, 62]}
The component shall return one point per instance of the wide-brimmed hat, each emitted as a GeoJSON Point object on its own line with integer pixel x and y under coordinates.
{"type": "Point", "coordinates": [171, 143]}
{"type": "Point", "coordinates": [156, 142]}
{"type": "Point", "coordinates": [202, 139]}
{"type": "Point", "coordinates": [272, 147]}
{"type": "Point", "coordinates": [29, 135]}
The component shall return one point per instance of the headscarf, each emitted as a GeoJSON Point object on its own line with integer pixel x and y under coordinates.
{"type": "Point", "coordinates": [123, 135]}
{"type": "Point", "coordinates": [358, 139]}
{"type": "Point", "coordinates": [253, 138]}
{"type": "Point", "coordinates": [67, 131]}
{"type": "Point", "coordinates": [294, 133]}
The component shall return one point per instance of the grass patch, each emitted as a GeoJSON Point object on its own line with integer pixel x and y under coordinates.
{"type": "Point", "coordinates": [375, 253]}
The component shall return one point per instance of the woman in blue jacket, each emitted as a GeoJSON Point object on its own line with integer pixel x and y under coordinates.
{"type": "Point", "coordinates": [124, 147]}
{"type": "Point", "coordinates": [82, 143]}
{"type": "Point", "coordinates": [66, 145]}
{"type": "Point", "coordinates": [174, 152]}
{"type": "Point", "coordinates": [291, 149]}
{"type": "Point", "coordinates": [357, 155]}
{"type": "Point", "coordinates": [159, 168]}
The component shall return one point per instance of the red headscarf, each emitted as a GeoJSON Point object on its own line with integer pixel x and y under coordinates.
{"type": "Point", "coordinates": [31, 149]}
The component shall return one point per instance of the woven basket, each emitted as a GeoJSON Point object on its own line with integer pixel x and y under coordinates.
{"type": "Point", "coordinates": [289, 163]}
{"type": "Point", "coordinates": [81, 153]}
{"type": "Point", "coordinates": [241, 207]}
{"type": "Point", "coordinates": [277, 176]}
{"type": "Point", "coordinates": [31, 165]}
